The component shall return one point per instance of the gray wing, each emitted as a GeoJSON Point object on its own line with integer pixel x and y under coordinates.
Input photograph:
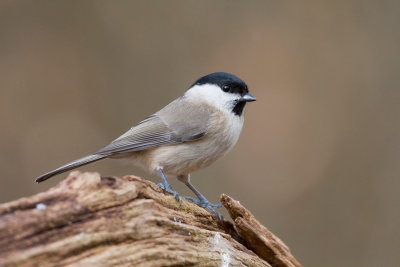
{"type": "Point", "coordinates": [176, 123]}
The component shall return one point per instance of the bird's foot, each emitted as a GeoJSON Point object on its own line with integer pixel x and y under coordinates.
{"type": "Point", "coordinates": [203, 202]}
{"type": "Point", "coordinates": [167, 187]}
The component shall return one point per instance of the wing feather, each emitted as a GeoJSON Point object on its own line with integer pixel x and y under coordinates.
{"type": "Point", "coordinates": [149, 133]}
{"type": "Point", "coordinates": [162, 128]}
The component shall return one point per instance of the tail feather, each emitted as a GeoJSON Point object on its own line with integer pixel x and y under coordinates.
{"type": "Point", "coordinates": [72, 165]}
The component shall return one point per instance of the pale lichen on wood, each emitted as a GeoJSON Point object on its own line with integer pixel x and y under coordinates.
{"type": "Point", "coordinates": [88, 220]}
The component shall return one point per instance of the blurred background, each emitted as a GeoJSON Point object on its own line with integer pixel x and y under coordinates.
{"type": "Point", "coordinates": [318, 158]}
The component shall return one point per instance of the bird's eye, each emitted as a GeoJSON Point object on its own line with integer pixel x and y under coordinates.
{"type": "Point", "coordinates": [226, 88]}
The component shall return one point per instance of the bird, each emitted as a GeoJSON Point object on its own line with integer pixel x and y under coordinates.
{"type": "Point", "coordinates": [188, 134]}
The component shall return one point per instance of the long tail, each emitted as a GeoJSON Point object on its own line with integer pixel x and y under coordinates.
{"type": "Point", "coordinates": [72, 165]}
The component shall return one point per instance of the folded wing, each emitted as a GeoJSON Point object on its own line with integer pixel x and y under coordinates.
{"type": "Point", "coordinates": [176, 123]}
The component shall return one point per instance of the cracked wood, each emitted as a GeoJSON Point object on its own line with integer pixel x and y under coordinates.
{"type": "Point", "coordinates": [88, 220]}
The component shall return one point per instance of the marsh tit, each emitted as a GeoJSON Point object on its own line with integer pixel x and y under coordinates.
{"type": "Point", "coordinates": [188, 134]}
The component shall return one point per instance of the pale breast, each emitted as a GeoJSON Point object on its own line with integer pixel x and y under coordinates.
{"type": "Point", "coordinates": [191, 156]}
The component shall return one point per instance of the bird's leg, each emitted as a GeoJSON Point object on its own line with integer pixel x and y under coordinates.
{"type": "Point", "coordinates": [167, 187]}
{"type": "Point", "coordinates": [202, 201]}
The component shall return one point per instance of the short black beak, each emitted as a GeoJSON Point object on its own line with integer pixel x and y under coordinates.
{"type": "Point", "coordinates": [248, 98]}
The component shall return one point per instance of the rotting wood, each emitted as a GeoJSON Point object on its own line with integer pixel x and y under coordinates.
{"type": "Point", "coordinates": [88, 220]}
{"type": "Point", "coordinates": [258, 238]}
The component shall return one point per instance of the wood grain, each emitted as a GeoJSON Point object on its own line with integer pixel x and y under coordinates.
{"type": "Point", "coordinates": [88, 220]}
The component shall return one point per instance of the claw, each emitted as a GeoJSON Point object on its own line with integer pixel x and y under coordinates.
{"type": "Point", "coordinates": [193, 200]}
{"type": "Point", "coordinates": [169, 189]}
{"type": "Point", "coordinates": [177, 196]}
{"type": "Point", "coordinates": [207, 205]}
{"type": "Point", "coordinates": [161, 185]}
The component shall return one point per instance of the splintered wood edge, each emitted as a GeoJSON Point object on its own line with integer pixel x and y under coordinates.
{"type": "Point", "coordinates": [257, 237]}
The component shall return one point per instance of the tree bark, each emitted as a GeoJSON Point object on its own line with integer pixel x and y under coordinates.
{"type": "Point", "coordinates": [88, 220]}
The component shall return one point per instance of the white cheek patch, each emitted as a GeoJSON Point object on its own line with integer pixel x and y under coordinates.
{"type": "Point", "coordinates": [212, 94]}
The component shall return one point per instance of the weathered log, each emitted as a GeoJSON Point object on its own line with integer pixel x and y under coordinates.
{"type": "Point", "coordinates": [88, 220]}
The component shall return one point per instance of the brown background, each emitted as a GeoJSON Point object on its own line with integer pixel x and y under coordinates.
{"type": "Point", "coordinates": [318, 159]}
